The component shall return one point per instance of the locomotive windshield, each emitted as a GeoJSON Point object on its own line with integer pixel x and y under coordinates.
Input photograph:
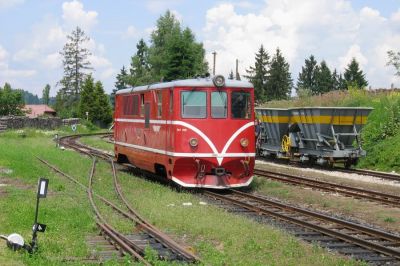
{"type": "Point", "coordinates": [218, 104]}
{"type": "Point", "coordinates": [240, 104]}
{"type": "Point", "coordinates": [194, 104]}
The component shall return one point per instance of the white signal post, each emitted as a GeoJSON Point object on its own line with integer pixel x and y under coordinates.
{"type": "Point", "coordinates": [37, 227]}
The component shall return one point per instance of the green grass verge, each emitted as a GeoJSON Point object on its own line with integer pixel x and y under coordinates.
{"type": "Point", "coordinates": [220, 238]}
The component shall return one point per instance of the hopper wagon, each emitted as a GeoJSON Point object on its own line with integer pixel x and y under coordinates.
{"type": "Point", "coordinates": [321, 135]}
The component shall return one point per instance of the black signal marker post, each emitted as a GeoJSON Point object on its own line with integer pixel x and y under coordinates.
{"type": "Point", "coordinates": [37, 227]}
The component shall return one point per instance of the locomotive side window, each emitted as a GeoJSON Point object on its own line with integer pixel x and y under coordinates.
{"type": "Point", "coordinates": [127, 104]}
{"type": "Point", "coordinates": [141, 104]}
{"type": "Point", "coordinates": [159, 104]}
{"type": "Point", "coordinates": [130, 105]}
{"type": "Point", "coordinates": [135, 105]}
{"type": "Point", "coordinates": [219, 104]}
{"type": "Point", "coordinates": [194, 104]}
{"type": "Point", "coordinates": [240, 104]}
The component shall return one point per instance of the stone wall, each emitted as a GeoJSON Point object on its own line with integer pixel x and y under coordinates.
{"type": "Point", "coordinates": [16, 122]}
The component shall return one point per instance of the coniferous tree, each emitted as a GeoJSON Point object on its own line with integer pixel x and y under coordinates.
{"type": "Point", "coordinates": [354, 76]}
{"type": "Point", "coordinates": [394, 60]}
{"type": "Point", "coordinates": [323, 79]}
{"type": "Point", "coordinates": [139, 72]}
{"type": "Point", "coordinates": [335, 80]}
{"type": "Point", "coordinates": [279, 83]}
{"type": "Point", "coordinates": [87, 100]}
{"type": "Point", "coordinates": [258, 74]}
{"type": "Point", "coordinates": [46, 94]}
{"type": "Point", "coordinates": [76, 65]}
{"type": "Point", "coordinates": [11, 101]}
{"type": "Point", "coordinates": [95, 102]}
{"type": "Point", "coordinates": [306, 79]}
{"type": "Point", "coordinates": [102, 108]}
{"type": "Point", "coordinates": [120, 84]}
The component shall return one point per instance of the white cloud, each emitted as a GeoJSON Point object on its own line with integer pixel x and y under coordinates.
{"type": "Point", "coordinates": [331, 30]}
{"type": "Point", "coordinates": [130, 32]}
{"type": "Point", "coordinates": [245, 4]}
{"type": "Point", "coordinates": [353, 52]}
{"type": "Point", "coordinates": [9, 3]}
{"type": "Point", "coordinates": [8, 74]}
{"type": "Point", "coordinates": [3, 54]}
{"type": "Point", "coordinates": [396, 16]}
{"type": "Point", "coordinates": [74, 15]}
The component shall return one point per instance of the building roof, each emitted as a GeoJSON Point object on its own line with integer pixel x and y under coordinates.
{"type": "Point", "coordinates": [199, 82]}
{"type": "Point", "coordinates": [35, 110]}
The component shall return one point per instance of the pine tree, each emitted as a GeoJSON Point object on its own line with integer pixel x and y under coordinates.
{"type": "Point", "coordinates": [338, 82]}
{"type": "Point", "coordinates": [76, 64]}
{"type": "Point", "coordinates": [306, 79]}
{"type": "Point", "coordinates": [394, 60]}
{"type": "Point", "coordinates": [46, 94]}
{"type": "Point", "coordinates": [139, 72]}
{"type": "Point", "coordinates": [354, 76]}
{"type": "Point", "coordinates": [102, 108]}
{"type": "Point", "coordinates": [257, 74]}
{"type": "Point", "coordinates": [279, 83]}
{"type": "Point", "coordinates": [87, 101]}
{"type": "Point", "coordinates": [323, 79]}
{"type": "Point", "coordinates": [120, 84]}
{"type": "Point", "coordinates": [95, 102]}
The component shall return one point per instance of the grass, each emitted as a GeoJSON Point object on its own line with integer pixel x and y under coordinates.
{"type": "Point", "coordinates": [218, 237]}
{"type": "Point", "coordinates": [98, 143]}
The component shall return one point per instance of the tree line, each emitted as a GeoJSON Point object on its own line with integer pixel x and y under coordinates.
{"type": "Point", "coordinates": [272, 79]}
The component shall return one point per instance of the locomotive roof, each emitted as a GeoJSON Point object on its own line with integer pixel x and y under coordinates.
{"type": "Point", "coordinates": [200, 82]}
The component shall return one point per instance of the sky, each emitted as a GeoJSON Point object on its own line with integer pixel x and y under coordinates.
{"type": "Point", "coordinates": [33, 32]}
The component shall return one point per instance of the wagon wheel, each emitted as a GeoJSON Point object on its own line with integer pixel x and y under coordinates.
{"type": "Point", "coordinates": [286, 143]}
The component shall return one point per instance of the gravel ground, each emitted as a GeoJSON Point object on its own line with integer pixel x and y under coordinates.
{"type": "Point", "coordinates": [356, 177]}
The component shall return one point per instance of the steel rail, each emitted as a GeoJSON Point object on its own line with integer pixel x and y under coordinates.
{"type": "Point", "coordinates": [371, 195]}
{"type": "Point", "coordinates": [388, 176]}
{"type": "Point", "coordinates": [145, 224]}
{"type": "Point", "coordinates": [245, 198]}
{"type": "Point", "coordinates": [140, 222]}
{"type": "Point", "coordinates": [123, 242]}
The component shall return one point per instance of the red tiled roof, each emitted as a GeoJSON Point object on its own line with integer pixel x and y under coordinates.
{"type": "Point", "coordinates": [38, 110]}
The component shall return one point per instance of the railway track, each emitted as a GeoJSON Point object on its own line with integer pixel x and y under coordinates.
{"type": "Point", "coordinates": [351, 239]}
{"type": "Point", "coordinates": [146, 235]}
{"type": "Point", "coordinates": [382, 175]}
{"type": "Point", "coordinates": [382, 198]}
{"type": "Point", "coordinates": [363, 243]}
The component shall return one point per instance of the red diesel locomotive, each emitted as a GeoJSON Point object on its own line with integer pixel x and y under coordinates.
{"type": "Point", "coordinates": [197, 132]}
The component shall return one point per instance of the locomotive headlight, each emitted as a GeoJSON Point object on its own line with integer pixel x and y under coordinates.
{"type": "Point", "coordinates": [244, 142]}
{"type": "Point", "coordinates": [219, 81]}
{"type": "Point", "coordinates": [193, 142]}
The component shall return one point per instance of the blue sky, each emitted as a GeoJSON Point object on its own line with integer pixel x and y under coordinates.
{"type": "Point", "coordinates": [33, 32]}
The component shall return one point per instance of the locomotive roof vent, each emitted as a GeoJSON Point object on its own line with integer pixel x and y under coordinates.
{"type": "Point", "coordinates": [219, 81]}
